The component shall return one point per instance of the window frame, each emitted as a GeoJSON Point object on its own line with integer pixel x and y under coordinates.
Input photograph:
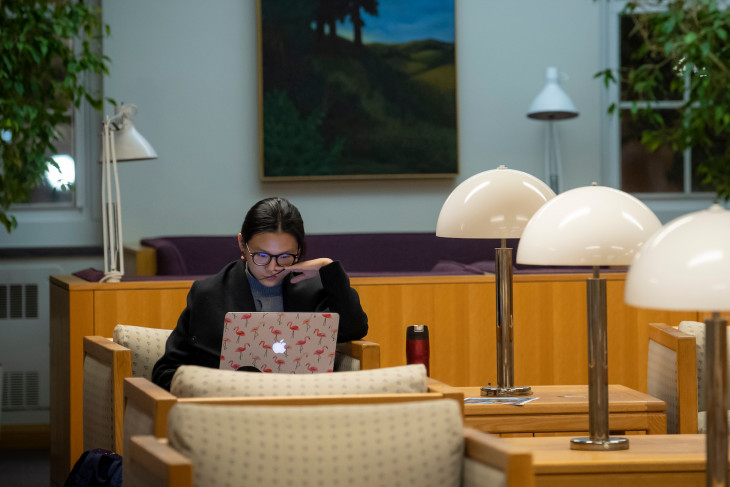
{"type": "Point", "coordinates": [76, 224]}
{"type": "Point", "coordinates": [666, 204]}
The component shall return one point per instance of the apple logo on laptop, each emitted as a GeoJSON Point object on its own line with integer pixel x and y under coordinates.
{"type": "Point", "coordinates": [279, 347]}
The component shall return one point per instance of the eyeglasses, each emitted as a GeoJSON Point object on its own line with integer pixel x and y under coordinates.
{"type": "Point", "coordinates": [262, 258]}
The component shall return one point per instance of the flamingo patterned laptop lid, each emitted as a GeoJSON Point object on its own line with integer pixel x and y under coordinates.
{"type": "Point", "coordinates": [286, 343]}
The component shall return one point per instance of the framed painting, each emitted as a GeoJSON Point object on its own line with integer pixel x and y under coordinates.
{"type": "Point", "coordinates": [357, 89]}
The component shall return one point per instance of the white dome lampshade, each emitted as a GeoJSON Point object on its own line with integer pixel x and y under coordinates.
{"type": "Point", "coordinates": [552, 103]}
{"type": "Point", "coordinates": [685, 265]}
{"type": "Point", "coordinates": [492, 204]}
{"type": "Point", "coordinates": [587, 226]}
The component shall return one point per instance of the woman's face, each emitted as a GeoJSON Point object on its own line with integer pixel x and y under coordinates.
{"type": "Point", "coordinates": [268, 244]}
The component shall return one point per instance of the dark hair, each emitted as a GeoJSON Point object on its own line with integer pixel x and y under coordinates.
{"type": "Point", "coordinates": [274, 215]}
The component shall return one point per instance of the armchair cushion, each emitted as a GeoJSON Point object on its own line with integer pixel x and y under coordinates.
{"type": "Point", "coordinates": [417, 443]}
{"type": "Point", "coordinates": [194, 381]}
{"type": "Point", "coordinates": [147, 346]}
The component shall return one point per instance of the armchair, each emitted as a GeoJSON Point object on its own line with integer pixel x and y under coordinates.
{"type": "Point", "coordinates": [133, 353]}
{"type": "Point", "coordinates": [418, 443]}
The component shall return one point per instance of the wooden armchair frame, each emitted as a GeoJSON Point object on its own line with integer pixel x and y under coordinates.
{"type": "Point", "coordinates": [684, 346]}
{"type": "Point", "coordinates": [118, 359]}
{"type": "Point", "coordinates": [167, 466]}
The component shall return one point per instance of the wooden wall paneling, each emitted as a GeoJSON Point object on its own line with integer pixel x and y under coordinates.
{"type": "Point", "coordinates": [550, 330]}
{"type": "Point", "coordinates": [154, 308]}
{"type": "Point", "coordinates": [460, 315]}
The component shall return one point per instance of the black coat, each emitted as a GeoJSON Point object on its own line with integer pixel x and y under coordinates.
{"type": "Point", "coordinates": [196, 340]}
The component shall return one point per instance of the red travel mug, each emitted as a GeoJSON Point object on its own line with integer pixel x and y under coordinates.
{"type": "Point", "coordinates": [417, 346]}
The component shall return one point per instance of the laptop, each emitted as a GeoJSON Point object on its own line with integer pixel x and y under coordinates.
{"type": "Point", "coordinates": [285, 343]}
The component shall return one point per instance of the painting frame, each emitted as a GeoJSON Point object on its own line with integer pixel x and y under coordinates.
{"type": "Point", "coordinates": [337, 108]}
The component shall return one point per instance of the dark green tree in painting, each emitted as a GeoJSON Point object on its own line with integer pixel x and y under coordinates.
{"type": "Point", "coordinates": [328, 13]}
{"type": "Point", "coordinates": [354, 6]}
{"type": "Point", "coordinates": [293, 141]}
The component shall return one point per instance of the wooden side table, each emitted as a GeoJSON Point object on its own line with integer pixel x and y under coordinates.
{"type": "Point", "coordinates": [563, 410]}
{"type": "Point", "coordinates": [650, 461]}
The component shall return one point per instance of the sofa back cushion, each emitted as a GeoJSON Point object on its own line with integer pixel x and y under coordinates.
{"type": "Point", "coordinates": [194, 381]}
{"type": "Point", "coordinates": [358, 252]}
{"type": "Point", "coordinates": [416, 443]}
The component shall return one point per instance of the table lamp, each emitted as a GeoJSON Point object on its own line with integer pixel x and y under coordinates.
{"type": "Point", "coordinates": [550, 105]}
{"type": "Point", "coordinates": [120, 142]}
{"type": "Point", "coordinates": [496, 204]}
{"type": "Point", "coordinates": [594, 226]}
{"type": "Point", "coordinates": [686, 266]}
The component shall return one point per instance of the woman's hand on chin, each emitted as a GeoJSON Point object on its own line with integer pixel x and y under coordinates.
{"type": "Point", "coordinates": [307, 269]}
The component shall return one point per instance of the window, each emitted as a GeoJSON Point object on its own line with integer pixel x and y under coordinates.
{"type": "Point", "coordinates": [651, 175]}
{"type": "Point", "coordinates": [71, 217]}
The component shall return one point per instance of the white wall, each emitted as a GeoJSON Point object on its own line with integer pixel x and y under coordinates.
{"type": "Point", "coordinates": [191, 69]}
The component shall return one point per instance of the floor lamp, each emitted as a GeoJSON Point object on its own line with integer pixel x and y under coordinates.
{"type": "Point", "coordinates": [496, 204]}
{"type": "Point", "coordinates": [120, 142]}
{"type": "Point", "coordinates": [593, 226]}
{"type": "Point", "coordinates": [686, 266]}
{"type": "Point", "coordinates": [550, 105]}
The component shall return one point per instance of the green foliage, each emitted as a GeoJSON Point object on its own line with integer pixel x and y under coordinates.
{"type": "Point", "coordinates": [41, 77]}
{"type": "Point", "coordinates": [684, 46]}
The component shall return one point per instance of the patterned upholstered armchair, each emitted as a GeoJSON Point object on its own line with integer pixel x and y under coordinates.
{"type": "Point", "coordinates": [133, 353]}
{"type": "Point", "coordinates": [147, 405]}
{"type": "Point", "coordinates": [419, 443]}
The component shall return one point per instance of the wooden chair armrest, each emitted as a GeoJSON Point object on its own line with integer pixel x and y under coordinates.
{"type": "Point", "coordinates": [447, 391]}
{"type": "Point", "coordinates": [154, 460]}
{"type": "Point", "coordinates": [119, 360]}
{"type": "Point", "coordinates": [368, 353]}
{"type": "Point", "coordinates": [495, 452]}
{"type": "Point", "coordinates": [103, 349]}
{"type": "Point", "coordinates": [151, 400]}
{"type": "Point", "coordinates": [685, 346]}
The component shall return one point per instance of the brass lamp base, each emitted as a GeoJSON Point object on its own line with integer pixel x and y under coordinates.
{"type": "Point", "coordinates": [586, 443]}
{"type": "Point", "coordinates": [506, 391]}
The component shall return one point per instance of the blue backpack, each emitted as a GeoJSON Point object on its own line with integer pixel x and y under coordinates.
{"type": "Point", "coordinates": [96, 468]}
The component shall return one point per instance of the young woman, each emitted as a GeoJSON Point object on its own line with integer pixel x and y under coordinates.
{"type": "Point", "coordinates": [270, 276]}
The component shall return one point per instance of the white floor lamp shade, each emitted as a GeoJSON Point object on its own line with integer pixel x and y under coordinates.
{"type": "Point", "coordinates": [685, 265]}
{"type": "Point", "coordinates": [496, 204]}
{"type": "Point", "coordinates": [550, 105]}
{"type": "Point", "coordinates": [594, 226]}
{"type": "Point", "coordinates": [120, 142]}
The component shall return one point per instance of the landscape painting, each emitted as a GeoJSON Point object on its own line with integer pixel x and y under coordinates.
{"type": "Point", "coordinates": [355, 89]}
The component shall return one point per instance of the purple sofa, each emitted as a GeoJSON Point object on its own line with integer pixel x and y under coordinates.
{"type": "Point", "coordinates": [368, 254]}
